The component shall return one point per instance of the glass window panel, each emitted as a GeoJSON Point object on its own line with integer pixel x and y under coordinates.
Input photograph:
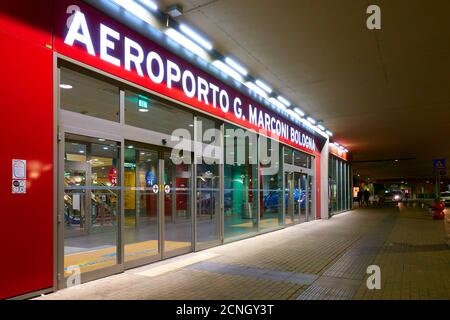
{"type": "Point", "coordinates": [271, 214]}
{"type": "Point", "coordinates": [143, 111]}
{"type": "Point", "coordinates": [90, 96]}
{"type": "Point", "coordinates": [302, 159]}
{"type": "Point", "coordinates": [240, 190]}
{"type": "Point", "coordinates": [288, 153]}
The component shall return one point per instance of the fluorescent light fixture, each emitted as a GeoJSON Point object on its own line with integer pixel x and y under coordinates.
{"type": "Point", "coordinates": [187, 43]}
{"type": "Point", "coordinates": [196, 37]}
{"type": "Point", "coordinates": [277, 103]}
{"type": "Point", "coordinates": [149, 4]}
{"type": "Point", "coordinates": [300, 112]}
{"type": "Point", "coordinates": [65, 86]}
{"type": "Point", "coordinates": [328, 132]}
{"type": "Point", "coordinates": [336, 144]}
{"type": "Point", "coordinates": [346, 150]}
{"type": "Point", "coordinates": [312, 120]}
{"type": "Point", "coordinates": [256, 89]}
{"type": "Point", "coordinates": [341, 147]}
{"type": "Point", "coordinates": [294, 114]}
{"type": "Point", "coordinates": [321, 127]}
{"type": "Point", "coordinates": [101, 139]}
{"type": "Point", "coordinates": [284, 101]}
{"type": "Point", "coordinates": [140, 11]}
{"type": "Point", "coordinates": [228, 70]}
{"type": "Point", "coordinates": [143, 110]}
{"type": "Point", "coordinates": [237, 66]}
{"type": "Point", "coordinates": [263, 86]}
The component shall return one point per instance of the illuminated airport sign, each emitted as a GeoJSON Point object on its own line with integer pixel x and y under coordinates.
{"type": "Point", "coordinates": [88, 36]}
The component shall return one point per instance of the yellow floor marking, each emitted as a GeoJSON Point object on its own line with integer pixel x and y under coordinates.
{"type": "Point", "coordinates": [263, 223]}
{"type": "Point", "coordinates": [159, 270]}
{"type": "Point", "coordinates": [98, 259]}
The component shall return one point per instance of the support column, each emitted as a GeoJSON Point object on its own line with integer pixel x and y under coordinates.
{"type": "Point", "coordinates": [324, 156]}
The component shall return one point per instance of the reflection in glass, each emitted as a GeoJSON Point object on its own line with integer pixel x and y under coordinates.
{"type": "Point", "coordinates": [271, 186]}
{"type": "Point", "coordinates": [91, 194]}
{"type": "Point", "coordinates": [241, 189]}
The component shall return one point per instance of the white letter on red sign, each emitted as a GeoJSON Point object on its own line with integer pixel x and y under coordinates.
{"type": "Point", "coordinates": [79, 21]}
{"type": "Point", "coordinates": [106, 44]}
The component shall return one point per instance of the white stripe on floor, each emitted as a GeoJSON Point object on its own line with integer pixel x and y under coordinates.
{"type": "Point", "coordinates": [172, 266]}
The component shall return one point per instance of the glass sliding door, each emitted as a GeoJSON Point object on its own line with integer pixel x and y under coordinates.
{"type": "Point", "coordinates": [141, 190]}
{"type": "Point", "coordinates": [91, 203]}
{"type": "Point", "coordinates": [177, 206]}
{"type": "Point", "coordinates": [291, 198]}
{"type": "Point", "coordinates": [310, 211]}
{"type": "Point", "coordinates": [208, 205]}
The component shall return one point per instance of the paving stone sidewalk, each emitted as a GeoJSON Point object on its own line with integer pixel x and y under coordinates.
{"type": "Point", "coordinates": [325, 259]}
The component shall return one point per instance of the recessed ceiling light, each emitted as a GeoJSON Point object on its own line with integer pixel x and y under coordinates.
{"type": "Point", "coordinates": [65, 86]}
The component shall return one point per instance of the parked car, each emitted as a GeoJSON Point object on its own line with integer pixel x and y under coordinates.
{"type": "Point", "coordinates": [445, 197]}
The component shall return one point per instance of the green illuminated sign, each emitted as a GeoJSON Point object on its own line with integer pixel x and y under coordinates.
{"type": "Point", "coordinates": [143, 102]}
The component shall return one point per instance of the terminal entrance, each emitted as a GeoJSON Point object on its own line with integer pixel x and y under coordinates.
{"type": "Point", "coordinates": [299, 196]}
{"type": "Point", "coordinates": [157, 204]}
{"type": "Point", "coordinates": [119, 213]}
{"type": "Point", "coordinates": [296, 197]}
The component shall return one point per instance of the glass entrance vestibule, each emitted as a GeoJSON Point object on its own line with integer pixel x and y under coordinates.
{"type": "Point", "coordinates": [125, 198]}
{"type": "Point", "coordinates": [299, 186]}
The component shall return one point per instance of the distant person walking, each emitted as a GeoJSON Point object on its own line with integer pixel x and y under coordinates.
{"type": "Point", "coordinates": [359, 195]}
{"type": "Point", "coordinates": [366, 195]}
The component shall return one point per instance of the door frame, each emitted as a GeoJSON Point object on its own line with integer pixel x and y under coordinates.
{"type": "Point", "coordinates": [95, 274]}
{"type": "Point", "coordinates": [310, 174]}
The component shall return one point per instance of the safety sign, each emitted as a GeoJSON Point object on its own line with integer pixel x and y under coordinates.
{"type": "Point", "coordinates": [19, 176]}
{"type": "Point", "coordinates": [439, 166]}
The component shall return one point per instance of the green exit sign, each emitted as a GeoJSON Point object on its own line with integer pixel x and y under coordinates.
{"type": "Point", "coordinates": [142, 103]}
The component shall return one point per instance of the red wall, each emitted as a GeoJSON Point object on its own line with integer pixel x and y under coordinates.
{"type": "Point", "coordinates": [26, 132]}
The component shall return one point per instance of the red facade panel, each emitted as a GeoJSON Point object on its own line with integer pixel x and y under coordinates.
{"type": "Point", "coordinates": [26, 91]}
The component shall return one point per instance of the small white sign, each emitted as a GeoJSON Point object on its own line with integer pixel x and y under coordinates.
{"type": "Point", "coordinates": [19, 169]}
{"type": "Point", "coordinates": [167, 189]}
{"type": "Point", "coordinates": [155, 188]}
{"type": "Point", "coordinates": [19, 186]}
{"type": "Point", "coordinates": [76, 201]}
